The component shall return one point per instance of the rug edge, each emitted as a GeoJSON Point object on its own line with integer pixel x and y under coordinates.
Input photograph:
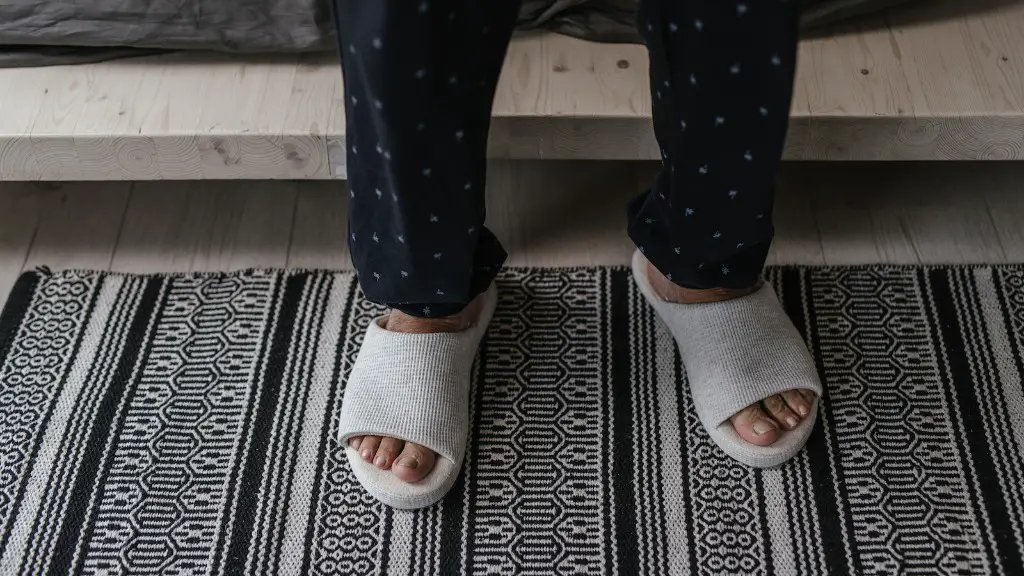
{"type": "Point", "coordinates": [44, 271]}
{"type": "Point", "coordinates": [15, 307]}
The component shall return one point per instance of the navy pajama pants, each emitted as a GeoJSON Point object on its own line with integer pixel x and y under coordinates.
{"type": "Point", "coordinates": [420, 76]}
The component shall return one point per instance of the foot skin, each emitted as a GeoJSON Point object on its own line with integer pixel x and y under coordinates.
{"type": "Point", "coordinates": [762, 423]}
{"type": "Point", "coordinates": [407, 461]}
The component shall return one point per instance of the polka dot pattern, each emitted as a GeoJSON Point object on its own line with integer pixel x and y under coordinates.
{"type": "Point", "coordinates": [420, 79]}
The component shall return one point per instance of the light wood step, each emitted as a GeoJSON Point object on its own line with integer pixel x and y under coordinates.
{"type": "Point", "coordinates": [934, 83]}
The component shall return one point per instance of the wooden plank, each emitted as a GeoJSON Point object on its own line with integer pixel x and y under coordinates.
{"type": "Point", "coordinates": [967, 75]}
{"type": "Point", "coordinates": [550, 75]}
{"type": "Point", "coordinates": [938, 80]}
{"type": "Point", "coordinates": [251, 227]}
{"type": "Point", "coordinates": [205, 227]}
{"type": "Point", "coordinates": [855, 211]}
{"type": "Point", "coordinates": [946, 223]}
{"type": "Point", "coordinates": [826, 213]}
{"type": "Point", "coordinates": [584, 224]}
{"type": "Point", "coordinates": [78, 225]}
{"type": "Point", "coordinates": [1004, 197]}
{"type": "Point", "coordinates": [907, 213]}
{"type": "Point", "coordinates": [796, 236]}
{"type": "Point", "coordinates": [319, 233]}
{"type": "Point", "coordinates": [19, 213]}
{"type": "Point", "coordinates": [946, 234]}
{"type": "Point", "coordinates": [20, 102]}
{"type": "Point", "coordinates": [851, 75]}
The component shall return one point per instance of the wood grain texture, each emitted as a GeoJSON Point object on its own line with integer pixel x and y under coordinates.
{"type": "Point", "coordinates": [1005, 202]}
{"type": "Point", "coordinates": [319, 232]}
{"type": "Point", "coordinates": [586, 217]}
{"type": "Point", "coordinates": [834, 213]}
{"type": "Point", "coordinates": [19, 218]}
{"type": "Point", "coordinates": [936, 80]}
{"type": "Point", "coordinates": [199, 226]}
{"type": "Point", "coordinates": [79, 225]}
{"type": "Point", "coordinates": [797, 239]}
{"type": "Point", "coordinates": [917, 212]}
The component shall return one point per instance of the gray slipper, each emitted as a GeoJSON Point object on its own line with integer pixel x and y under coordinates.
{"type": "Point", "coordinates": [414, 387]}
{"type": "Point", "coordinates": [737, 353]}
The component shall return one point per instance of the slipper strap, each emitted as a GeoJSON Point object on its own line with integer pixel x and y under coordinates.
{"type": "Point", "coordinates": [741, 351]}
{"type": "Point", "coordinates": [414, 387]}
{"type": "Point", "coordinates": [736, 352]}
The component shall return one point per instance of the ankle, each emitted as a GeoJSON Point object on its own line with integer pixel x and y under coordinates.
{"type": "Point", "coordinates": [398, 321]}
{"type": "Point", "coordinates": [671, 292]}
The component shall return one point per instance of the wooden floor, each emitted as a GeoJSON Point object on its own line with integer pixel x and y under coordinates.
{"type": "Point", "coordinates": [546, 213]}
{"type": "Point", "coordinates": [940, 79]}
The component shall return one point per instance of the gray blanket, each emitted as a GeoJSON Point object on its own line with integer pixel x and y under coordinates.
{"type": "Point", "coordinates": [46, 32]}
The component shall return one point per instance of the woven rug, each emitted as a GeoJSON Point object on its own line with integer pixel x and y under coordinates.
{"type": "Point", "coordinates": [184, 425]}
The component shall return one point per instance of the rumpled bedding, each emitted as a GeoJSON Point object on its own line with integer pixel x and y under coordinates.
{"type": "Point", "coordinates": [50, 32]}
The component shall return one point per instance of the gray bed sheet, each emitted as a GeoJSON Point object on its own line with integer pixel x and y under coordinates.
{"type": "Point", "coordinates": [50, 32]}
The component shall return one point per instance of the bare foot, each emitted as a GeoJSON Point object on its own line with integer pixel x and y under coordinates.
{"type": "Point", "coordinates": [764, 422]}
{"type": "Point", "coordinates": [411, 462]}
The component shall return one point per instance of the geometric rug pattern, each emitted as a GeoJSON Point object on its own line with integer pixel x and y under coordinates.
{"type": "Point", "coordinates": [185, 425]}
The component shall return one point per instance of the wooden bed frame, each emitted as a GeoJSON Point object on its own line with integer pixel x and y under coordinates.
{"type": "Point", "coordinates": [933, 84]}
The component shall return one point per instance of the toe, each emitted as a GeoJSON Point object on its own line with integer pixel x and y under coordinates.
{"type": "Point", "coordinates": [808, 395]}
{"type": "Point", "coordinates": [777, 408]}
{"type": "Point", "coordinates": [414, 463]}
{"type": "Point", "coordinates": [754, 426]}
{"type": "Point", "coordinates": [387, 451]}
{"type": "Point", "coordinates": [368, 447]}
{"type": "Point", "coordinates": [797, 402]}
{"type": "Point", "coordinates": [354, 441]}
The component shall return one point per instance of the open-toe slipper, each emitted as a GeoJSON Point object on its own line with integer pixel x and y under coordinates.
{"type": "Point", "coordinates": [737, 353]}
{"type": "Point", "coordinates": [414, 387]}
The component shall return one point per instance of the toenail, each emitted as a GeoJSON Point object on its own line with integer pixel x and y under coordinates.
{"type": "Point", "coordinates": [763, 427]}
{"type": "Point", "coordinates": [408, 462]}
{"type": "Point", "coordinates": [803, 410]}
{"type": "Point", "coordinates": [791, 421]}
{"type": "Point", "coordinates": [367, 454]}
{"type": "Point", "coordinates": [380, 461]}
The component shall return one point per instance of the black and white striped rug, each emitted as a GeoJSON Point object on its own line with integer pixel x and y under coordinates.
{"type": "Point", "coordinates": [184, 425]}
